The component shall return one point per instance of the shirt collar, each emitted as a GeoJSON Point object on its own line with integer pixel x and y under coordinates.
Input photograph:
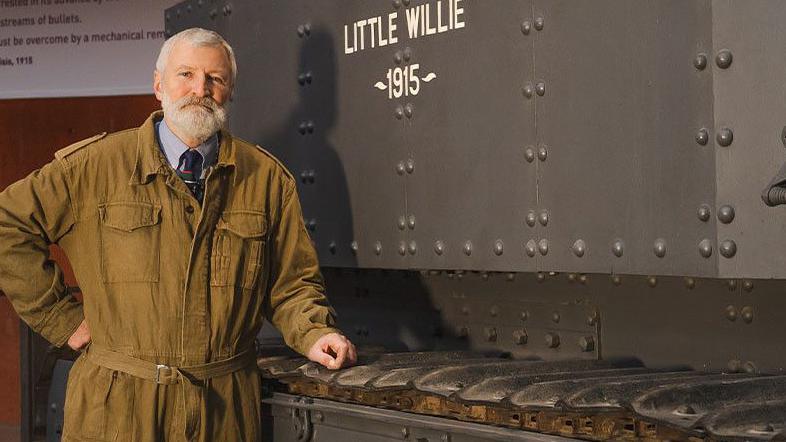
{"type": "Point", "coordinates": [173, 147]}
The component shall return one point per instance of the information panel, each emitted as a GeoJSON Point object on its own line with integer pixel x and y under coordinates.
{"type": "Point", "coordinates": [66, 48]}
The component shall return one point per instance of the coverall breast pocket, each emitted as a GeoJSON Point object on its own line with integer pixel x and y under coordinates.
{"type": "Point", "coordinates": [130, 235]}
{"type": "Point", "coordinates": [237, 258]}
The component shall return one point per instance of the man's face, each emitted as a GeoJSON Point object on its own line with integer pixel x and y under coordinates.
{"type": "Point", "coordinates": [194, 89]}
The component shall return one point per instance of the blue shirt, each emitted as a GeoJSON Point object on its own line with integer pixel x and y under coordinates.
{"type": "Point", "coordinates": [172, 147]}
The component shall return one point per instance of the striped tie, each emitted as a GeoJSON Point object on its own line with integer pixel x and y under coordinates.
{"type": "Point", "coordinates": [190, 171]}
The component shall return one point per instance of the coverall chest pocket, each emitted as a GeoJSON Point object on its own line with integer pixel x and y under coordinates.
{"type": "Point", "coordinates": [237, 258]}
{"type": "Point", "coordinates": [130, 239]}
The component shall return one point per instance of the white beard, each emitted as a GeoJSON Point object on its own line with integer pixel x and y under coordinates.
{"type": "Point", "coordinates": [195, 117]}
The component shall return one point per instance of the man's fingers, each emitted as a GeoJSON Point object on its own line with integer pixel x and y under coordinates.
{"type": "Point", "coordinates": [352, 355]}
{"type": "Point", "coordinates": [326, 360]}
{"type": "Point", "coordinates": [340, 347]}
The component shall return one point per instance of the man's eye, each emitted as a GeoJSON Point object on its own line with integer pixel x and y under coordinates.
{"type": "Point", "coordinates": [217, 80]}
{"type": "Point", "coordinates": [184, 74]}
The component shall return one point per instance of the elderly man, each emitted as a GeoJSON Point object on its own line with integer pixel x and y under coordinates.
{"type": "Point", "coordinates": [183, 238]}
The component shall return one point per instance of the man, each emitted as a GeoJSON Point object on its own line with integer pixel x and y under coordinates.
{"type": "Point", "coordinates": [183, 238]}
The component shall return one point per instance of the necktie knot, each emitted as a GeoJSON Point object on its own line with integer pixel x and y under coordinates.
{"type": "Point", "coordinates": [190, 170]}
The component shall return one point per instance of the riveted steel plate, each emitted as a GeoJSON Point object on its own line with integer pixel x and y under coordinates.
{"type": "Point", "coordinates": [750, 99]}
{"type": "Point", "coordinates": [622, 105]}
{"type": "Point", "coordinates": [469, 133]}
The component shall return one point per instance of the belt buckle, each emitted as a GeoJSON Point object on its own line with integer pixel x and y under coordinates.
{"type": "Point", "coordinates": [158, 371]}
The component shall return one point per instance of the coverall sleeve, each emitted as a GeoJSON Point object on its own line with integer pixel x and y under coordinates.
{"type": "Point", "coordinates": [296, 304]}
{"type": "Point", "coordinates": [34, 213]}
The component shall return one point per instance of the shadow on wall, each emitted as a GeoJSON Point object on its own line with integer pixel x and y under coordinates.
{"type": "Point", "coordinates": [376, 308]}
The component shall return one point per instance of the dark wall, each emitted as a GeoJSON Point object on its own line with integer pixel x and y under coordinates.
{"type": "Point", "coordinates": [31, 131]}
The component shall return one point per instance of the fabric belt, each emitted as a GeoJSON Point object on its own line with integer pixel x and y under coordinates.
{"type": "Point", "coordinates": [189, 377]}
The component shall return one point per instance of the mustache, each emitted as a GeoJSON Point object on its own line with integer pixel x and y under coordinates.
{"type": "Point", "coordinates": [191, 100]}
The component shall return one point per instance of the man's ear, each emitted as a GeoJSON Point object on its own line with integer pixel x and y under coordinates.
{"type": "Point", "coordinates": [157, 85]}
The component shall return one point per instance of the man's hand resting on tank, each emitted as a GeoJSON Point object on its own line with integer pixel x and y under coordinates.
{"type": "Point", "coordinates": [333, 351]}
{"type": "Point", "coordinates": [80, 338]}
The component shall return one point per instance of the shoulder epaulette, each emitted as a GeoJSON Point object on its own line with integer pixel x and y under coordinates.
{"type": "Point", "coordinates": [66, 151]}
{"type": "Point", "coordinates": [275, 160]}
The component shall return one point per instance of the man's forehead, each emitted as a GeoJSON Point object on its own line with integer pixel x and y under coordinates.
{"type": "Point", "coordinates": [185, 54]}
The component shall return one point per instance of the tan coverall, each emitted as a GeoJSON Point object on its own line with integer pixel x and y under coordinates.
{"type": "Point", "coordinates": [165, 281]}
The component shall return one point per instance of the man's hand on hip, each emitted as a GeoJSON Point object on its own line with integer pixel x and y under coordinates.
{"type": "Point", "coordinates": [333, 351]}
{"type": "Point", "coordinates": [80, 338]}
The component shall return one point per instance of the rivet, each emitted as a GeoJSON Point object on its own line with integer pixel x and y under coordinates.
{"type": "Point", "coordinates": [731, 313]}
{"type": "Point", "coordinates": [705, 248]}
{"type": "Point", "coordinates": [445, 438]}
{"type": "Point", "coordinates": [618, 248]}
{"type": "Point", "coordinates": [542, 153]}
{"type": "Point", "coordinates": [406, 2]}
{"type": "Point", "coordinates": [484, 276]}
{"type": "Point", "coordinates": [402, 222]}
{"type": "Point", "coordinates": [552, 340]}
{"type": "Point", "coordinates": [399, 112]}
{"type": "Point", "coordinates": [310, 127]}
{"type": "Point", "coordinates": [465, 310]}
{"type": "Point", "coordinates": [728, 248]}
{"type": "Point", "coordinates": [302, 128]}
{"type": "Point", "coordinates": [702, 137]}
{"type": "Point", "coordinates": [177, 12]}
{"type": "Point", "coordinates": [410, 166]}
{"type": "Point", "coordinates": [467, 248]}
{"type": "Point", "coordinates": [396, 4]}
{"type": "Point", "coordinates": [332, 247]}
{"type": "Point", "coordinates": [354, 246]}
{"type": "Point", "coordinates": [704, 213]}
{"type": "Point", "coordinates": [491, 334]}
{"type": "Point", "coordinates": [524, 315]}
{"type": "Point", "coordinates": [402, 248]}
{"type": "Point", "coordinates": [726, 214]}
{"type": "Point", "coordinates": [690, 283]}
{"type": "Point", "coordinates": [530, 218]}
{"type": "Point", "coordinates": [529, 154]}
{"type": "Point", "coordinates": [462, 331]}
{"type": "Point", "coordinates": [531, 248]}
{"type": "Point", "coordinates": [724, 137]}
{"type": "Point", "coordinates": [400, 168]}
{"type": "Point", "coordinates": [734, 366]}
{"type": "Point", "coordinates": [439, 247]}
{"type": "Point", "coordinates": [309, 77]}
{"type": "Point", "coordinates": [408, 110]}
{"type": "Point", "coordinates": [539, 23]}
{"type": "Point", "coordinates": [700, 62]}
{"type": "Point", "coordinates": [301, 78]}
{"type": "Point", "coordinates": [398, 57]}
{"type": "Point", "coordinates": [407, 54]}
{"type": "Point", "coordinates": [652, 281]}
{"type": "Point", "coordinates": [583, 279]}
{"type": "Point", "coordinates": [526, 27]}
{"type": "Point", "coordinates": [540, 88]}
{"type": "Point", "coordinates": [555, 317]}
{"type": "Point", "coordinates": [520, 337]}
{"type": "Point", "coordinates": [543, 246]}
{"type": "Point", "coordinates": [411, 222]}
{"type": "Point", "coordinates": [312, 224]}
{"type": "Point", "coordinates": [587, 343]}
{"type": "Point", "coordinates": [494, 311]}
{"type": "Point", "coordinates": [579, 248]}
{"type": "Point", "coordinates": [378, 248]}
{"type": "Point", "coordinates": [543, 218]}
{"type": "Point", "coordinates": [405, 432]}
{"type": "Point", "coordinates": [213, 13]}
{"type": "Point", "coordinates": [227, 9]}
{"type": "Point", "coordinates": [723, 59]}
{"type": "Point", "coordinates": [659, 248]}
{"type": "Point", "coordinates": [592, 319]}
{"type": "Point", "coordinates": [731, 284]}
{"type": "Point", "coordinates": [747, 314]}
{"type": "Point", "coordinates": [572, 277]}
{"type": "Point", "coordinates": [307, 28]}
{"type": "Point", "coordinates": [750, 367]}
{"type": "Point", "coordinates": [747, 285]}
{"type": "Point", "coordinates": [510, 277]}
{"type": "Point", "coordinates": [498, 247]}
{"type": "Point", "coordinates": [167, 17]}
{"type": "Point", "coordinates": [413, 247]}
{"type": "Point", "coordinates": [616, 280]}
{"type": "Point", "coordinates": [301, 31]}
{"type": "Point", "coordinates": [528, 90]}
{"type": "Point", "coordinates": [540, 277]}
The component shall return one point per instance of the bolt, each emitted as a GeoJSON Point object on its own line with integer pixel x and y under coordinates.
{"type": "Point", "coordinates": [552, 340]}
{"type": "Point", "coordinates": [587, 343]}
{"type": "Point", "coordinates": [526, 27]}
{"type": "Point", "coordinates": [400, 168]}
{"type": "Point", "coordinates": [408, 109]}
{"type": "Point", "coordinates": [731, 313]}
{"type": "Point", "coordinates": [690, 283]}
{"type": "Point", "coordinates": [510, 277]}
{"type": "Point", "coordinates": [520, 337]}
{"type": "Point", "coordinates": [411, 222]}
{"type": "Point", "coordinates": [530, 219]}
{"type": "Point", "coordinates": [531, 248]}
{"type": "Point", "coordinates": [354, 246]}
{"type": "Point", "coordinates": [540, 88]}
{"type": "Point", "coordinates": [402, 248]}
{"type": "Point", "coordinates": [413, 247]}
{"type": "Point", "coordinates": [542, 153]}
{"type": "Point", "coordinates": [726, 214]}
{"type": "Point", "coordinates": [723, 59]}
{"type": "Point", "coordinates": [724, 137]}
{"type": "Point", "coordinates": [467, 248]}
{"type": "Point", "coordinates": [399, 112]}
{"type": "Point", "coordinates": [527, 90]}
{"type": "Point", "coordinates": [702, 137]}
{"type": "Point", "coordinates": [705, 248]}
{"type": "Point", "coordinates": [498, 247]}
{"type": "Point", "coordinates": [540, 277]}
{"type": "Point", "coordinates": [529, 154]}
{"type": "Point", "coordinates": [439, 247]}
{"type": "Point", "coordinates": [402, 222]}
{"type": "Point", "coordinates": [659, 248]}
{"type": "Point", "coordinates": [652, 281]}
{"type": "Point", "coordinates": [539, 23]}
{"type": "Point", "coordinates": [543, 246]}
{"type": "Point", "coordinates": [703, 213]}
{"type": "Point", "coordinates": [407, 54]}
{"type": "Point", "coordinates": [579, 248]}
{"type": "Point", "coordinates": [700, 62]}
{"type": "Point", "coordinates": [410, 166]}
{"type": "Point", "coordinates": [747, 314]}
{"type": "Point", "coordinates": [728, 248]}
{"type": "Point", "coordinates": [543, 218]}
{"type": "Point", "coordinates": [618, 248]}
{"type": "Point", "coordinates": [616, 280]}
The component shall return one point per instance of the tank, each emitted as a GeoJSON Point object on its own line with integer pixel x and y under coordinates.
{"type": "Point", "coordinates": [537, 218]}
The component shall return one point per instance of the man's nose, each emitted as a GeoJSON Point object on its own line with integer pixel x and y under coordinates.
{"type": "Point", "coordinates": [200, 86]}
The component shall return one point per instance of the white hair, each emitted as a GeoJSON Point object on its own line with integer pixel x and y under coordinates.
{"type": "Point", "coordinates": [196, 37]}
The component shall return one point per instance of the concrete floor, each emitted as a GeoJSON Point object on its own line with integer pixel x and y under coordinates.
{"type": "Point", "coordinates": [9, 433]}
